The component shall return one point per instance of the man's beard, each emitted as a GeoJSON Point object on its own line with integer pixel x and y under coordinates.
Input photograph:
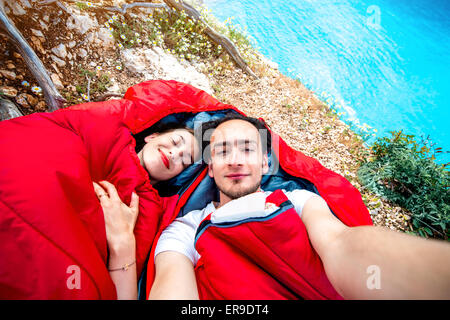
{"type": "Point", "coordinates": [235, 194]}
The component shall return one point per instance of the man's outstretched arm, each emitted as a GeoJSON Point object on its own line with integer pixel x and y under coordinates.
{"type": "Point", "coordinates": [408, 267]}
{"type": "Point", "coordinates": [174, 278]}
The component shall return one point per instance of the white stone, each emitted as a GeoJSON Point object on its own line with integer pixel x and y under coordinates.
{"type": "Point", "coordinates": [114, 87]}
{"type": "Point", "coordinates": [157, 64]}
{"type": "Point", "coordinates": [43, 25]}
{"type": "Point", "coordinates": [37, 33]}
{"type": "Point", "coordinates": [16, 8]}
{"type": "Point", "coordinates": [57, 81]}
{"type": "Point", "coordinates": [82, 53]}
{"type": "Point", "coordinates": [104, 38]}
{"type": "Point", "coordinates": [81, 23]}
{"type": "Point", "coordinates": [60, 51]}
{"type": "Point", "coordinates": [59, 62]}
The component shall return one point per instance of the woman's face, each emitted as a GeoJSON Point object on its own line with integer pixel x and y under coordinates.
{"type": "Point", "coordinates": [165, 155]}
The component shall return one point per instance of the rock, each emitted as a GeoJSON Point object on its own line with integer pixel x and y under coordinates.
{"type": "Point", "coordinates": [10, 66]}
{"type": "Point", "coordinates": [57, 81]}
{"type": "Point", "coordinates": [104, 38]}
{"type": "Point", "coordinates": [16, 8]}
{"type": "Point", "coordinates": [81, 23]}
{"type": "Point", "coordinates": [82, 53]}
{"type": "Point", "coordinates": [59, 62]}
{"type": "Point", "coordinates": [114, 87]}
{"type": "Point", "coordinates": [41, 106]}
{"type": "Point", "coordinates": [8, 110]}
{"type": "Point", "coordinates": [37, 33]}
{"type": "Point", "coordinates": [71, 44]}
{"type": "Point", "coordinates": [9, 91]}
{"type": "Point", "coordinates": [21, 99]}
{"type": "Point", "coordinates": [157, 64]}
{"type": "Point", "coordinates": [32, 100]}
{"type": "Point", "coordinates": [133, 61]}
{"type": "Point", "coordinates": [8, 74]}
{"type": "Point", "coordinates": [60, 51]}
{"type": "Point", "coordinates": [38, 45]}
{"type": "Point", "coordinates": [43, 25]}
{"type": "Point", "coordinates": [26, 4]}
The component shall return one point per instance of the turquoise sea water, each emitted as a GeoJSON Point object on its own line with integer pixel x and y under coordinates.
{"type": "Point", "coordinates": [383, 63]}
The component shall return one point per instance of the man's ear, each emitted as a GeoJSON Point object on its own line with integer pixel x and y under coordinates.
{"type": "Point", "coordinates": [210, 173]}
{"type": "Point", "coordinates": [265, 164]}
{"type": "Point", "coordinates": [150, 137]}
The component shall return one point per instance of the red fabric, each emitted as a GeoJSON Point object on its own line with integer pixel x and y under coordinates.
{"type": "Point", "coordinates": [269, 259]}
{"type": "Point", "coordinates": [50, 218]}
{"type": "Point", "coordinates": [344, 200]}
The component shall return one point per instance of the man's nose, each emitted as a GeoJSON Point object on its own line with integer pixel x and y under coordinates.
{"type": "Point", "coordinates": [235, 157]}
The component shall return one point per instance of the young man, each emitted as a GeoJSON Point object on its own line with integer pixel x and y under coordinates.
{"type": "Point", "coordinates": [411, 267]}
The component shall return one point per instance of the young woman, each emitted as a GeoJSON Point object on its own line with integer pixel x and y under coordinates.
{"type": "Point", "coordinates": [163, 155]}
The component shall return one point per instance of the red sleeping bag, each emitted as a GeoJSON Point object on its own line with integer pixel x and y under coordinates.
{"type": "Point", "coordinates": [52, 233]}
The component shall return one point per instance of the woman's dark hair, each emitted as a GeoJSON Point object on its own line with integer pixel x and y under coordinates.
{"type": "Point", "coordinates": [160, 128]}
{"type": "Point", "coordinates": [266, 141]}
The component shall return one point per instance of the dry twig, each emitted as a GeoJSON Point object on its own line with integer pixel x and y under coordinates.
{"type": "Point", "coordinates": [52, 97]}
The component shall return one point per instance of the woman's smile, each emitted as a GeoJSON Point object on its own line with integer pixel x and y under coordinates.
{"type": "Point", "coordinates": [164, 159]}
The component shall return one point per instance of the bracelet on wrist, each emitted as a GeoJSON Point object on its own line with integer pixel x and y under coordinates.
{"type": "Point", "coordinates": [124, 267]}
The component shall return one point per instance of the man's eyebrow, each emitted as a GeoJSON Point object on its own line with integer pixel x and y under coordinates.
{"type": "Point", "coordinates": [226, 143]}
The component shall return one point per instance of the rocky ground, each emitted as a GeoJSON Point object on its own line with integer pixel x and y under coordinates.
{"type": "Point", "coordinates": [78, 43]}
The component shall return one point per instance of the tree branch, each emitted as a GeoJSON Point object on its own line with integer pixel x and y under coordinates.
{"type": "Point", "coordinates": [215, 36]}
{"type": "Point", "coordinates": [52, 97]}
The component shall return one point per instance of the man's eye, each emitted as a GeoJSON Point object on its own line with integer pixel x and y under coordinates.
{"type": "Point", "coordinates": [221, 152]}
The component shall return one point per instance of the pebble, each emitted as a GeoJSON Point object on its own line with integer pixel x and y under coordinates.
{"type": "Point", "coordinates": [59, 62]}
{"type": "Point", "coordinates": [8, 74]}
{"type": "Point", "coordinates": [37, 33]}
{"type": "Point", "coordinates": [60, 51]}
{"type": "Point", "coordinates": [21, 99]}
{"type": "Point", "coordinates": [32, 100]}
{"type": "Point", "coordinates": [57, 81]}
{"type": "Point", "coordinates": [9, 91]}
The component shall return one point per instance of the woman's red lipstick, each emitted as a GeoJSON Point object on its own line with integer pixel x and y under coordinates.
{"type": "Point", "coordinates": [164, 159]}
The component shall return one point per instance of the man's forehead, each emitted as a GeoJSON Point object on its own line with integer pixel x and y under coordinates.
{"type": "Point", "coordinates": [235, 130]}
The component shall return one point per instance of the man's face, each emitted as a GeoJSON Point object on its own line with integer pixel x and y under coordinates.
{"type": "Point", "coordinates": [237, 163]}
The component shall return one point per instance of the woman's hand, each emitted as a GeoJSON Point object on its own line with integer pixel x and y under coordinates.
{"type": "Point", "coordinates": [119, 218]}
{"type": "Point", "coordinates": [119, 224]}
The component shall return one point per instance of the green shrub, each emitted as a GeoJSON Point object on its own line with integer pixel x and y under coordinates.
{"type": "Point", "coordinates": [404, 171]}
